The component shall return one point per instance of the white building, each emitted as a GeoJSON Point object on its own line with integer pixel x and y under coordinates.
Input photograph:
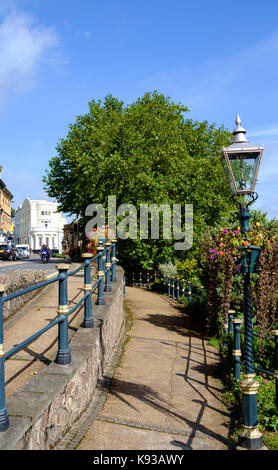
{"type": "Point", "coordinates": [38, 223]}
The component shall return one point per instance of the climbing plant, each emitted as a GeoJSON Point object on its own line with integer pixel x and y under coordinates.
{"type": "Point", "coordinates": [221, 262]}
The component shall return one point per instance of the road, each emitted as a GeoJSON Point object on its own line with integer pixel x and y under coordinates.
{"type": "Point", "coordinates": [33, 263]}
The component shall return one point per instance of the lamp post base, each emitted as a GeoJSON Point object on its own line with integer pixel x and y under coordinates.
{"type": "Point", "coordinates": [251, 438]}
{"type": "Point", "coordinates": [4, 420]}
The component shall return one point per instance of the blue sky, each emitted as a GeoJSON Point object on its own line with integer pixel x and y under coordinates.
{"type": "Point", "coordinates": [217, 58]}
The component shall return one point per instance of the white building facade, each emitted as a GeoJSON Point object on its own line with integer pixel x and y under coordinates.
{"type": "Point", "coordinates": [38, 223]}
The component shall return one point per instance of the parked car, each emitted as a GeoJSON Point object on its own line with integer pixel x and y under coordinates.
{"type": "Point", "coordinates": [6, 252]}
{"type": "Point", "coordinates": [25, 248]}
{"type": "Point", "coordinates": [17, 253]}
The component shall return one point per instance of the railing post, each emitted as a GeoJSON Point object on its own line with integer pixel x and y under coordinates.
{"type": "Point", "coordinates": [140, 279]}
{"type": "Point", "coordinates": [236, 351]}
{"type": "Point", "coordinates": [173, 287]}
{"type": "Point", "coordinates": [169, 286]}
{"type": "Point", "coordinates": [231, 316]}
{"type": "Point", "coordinates": [100, 273]}
{"type": "Point", "coordinates": [148, 280]}
{"type": "Point", "coordinates": [275, 334]}
{"type": "Point", "coordinates": [124, 285]}
{"type": "Point", "coordinates": [63, 355]}
{"type": "Point", "coordinates": [4, 418]}
{"type": "Point", "coordinates": [108, 267]}
{"type": "Point", "coordinates": [88, 315]}
{"type": "Point", "coordinates": [114, 260]}
{"type": "Point", "coordinates": [178, 288]}
{"type": "Point", "coordinates": [226, 326]}
{"type": "Point", "coordinates": [133, 281]}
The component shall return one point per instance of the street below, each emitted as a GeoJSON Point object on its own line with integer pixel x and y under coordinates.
{"type": "Point", "coordinates": [34, 263]}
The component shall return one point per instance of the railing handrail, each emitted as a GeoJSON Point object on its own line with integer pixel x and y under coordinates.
{"type": "Point", "coordinates": [63, 356]}
{"type": "Point", "coordinates": [176, 286]}
{"type": "Point", "coordinates": [13, 295]}
{"type": "Point", "coordinates": [75, 271]}
{"type": "Point", "coordinates": [30, 339]}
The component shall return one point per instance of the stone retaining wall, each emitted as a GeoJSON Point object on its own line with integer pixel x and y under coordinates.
{"type": "Point", "coordinates": [45, 408]}
{"type": "Point", "coordinates": [15, 282]}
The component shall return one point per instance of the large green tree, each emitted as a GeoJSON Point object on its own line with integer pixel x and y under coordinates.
{"type": "Point", "coordinates": [145, 152]}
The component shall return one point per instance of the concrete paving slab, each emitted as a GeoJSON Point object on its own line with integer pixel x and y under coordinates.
{"type": "Point", "coordinates": [107, 436]}
{"type": "Point", "coordinates": [165, 386]}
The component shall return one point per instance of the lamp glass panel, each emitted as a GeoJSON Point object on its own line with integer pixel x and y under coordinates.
{"type": "Point", "coordinates": [227, 173]}
{"type": "Point", "coordinates": [244, 167]}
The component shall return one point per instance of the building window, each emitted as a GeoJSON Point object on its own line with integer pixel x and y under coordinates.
{"type": "Point", "coordinates": [45, 223]}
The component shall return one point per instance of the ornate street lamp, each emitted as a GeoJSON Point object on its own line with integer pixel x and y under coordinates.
{"type": "Point", "coordinates": [241, 161]}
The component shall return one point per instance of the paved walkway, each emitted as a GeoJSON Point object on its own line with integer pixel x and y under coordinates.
{"type": "Point", "coordinates": [37, 314]}
{"type": "Point", "coordinates": [165, 393]}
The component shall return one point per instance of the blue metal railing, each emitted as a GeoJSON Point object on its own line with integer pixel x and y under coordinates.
{"type": "Point", "coordinates": [234, 327]}
{"type": "Point", "coordinates": [172, 286]}
{"type": "Point", "coordinates": [106, 273]}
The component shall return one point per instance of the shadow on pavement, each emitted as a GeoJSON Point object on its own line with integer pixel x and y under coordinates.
{"type": "Point", "coordinates": [123, 389]}
{"type": "Point", "coordinates": [177, 323]}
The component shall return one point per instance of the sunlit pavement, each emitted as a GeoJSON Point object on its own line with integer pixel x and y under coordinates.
{"type": "Point", "coordinates": [165, 393]}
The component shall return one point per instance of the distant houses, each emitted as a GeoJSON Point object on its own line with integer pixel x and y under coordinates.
{"type": "Point", "coordinates": [5, 210]}
{"type": "Point", "coordinates": [35, 222]}
{"type": "Point", "coordinates": [38, 222]}
{"type": "Point", "coordinates": [72, 238]}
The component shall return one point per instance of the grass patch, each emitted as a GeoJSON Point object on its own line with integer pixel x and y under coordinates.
{"type": "Point", "coordinates": [129, 321]}
{"type": "Point", "coordinates": [271, 440]}
{"type": "Point", "coordinates": [129, 314]}
{"type": "Point", "coordinates": [214, 342]}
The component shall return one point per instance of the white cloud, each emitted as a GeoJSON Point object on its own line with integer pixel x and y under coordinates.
{"type": "Point", "coordinates": [24, 48]}
{"type": "Point", "coordinates": [269, 131]}
{"type": "Point", "coordinates": [86, 34]}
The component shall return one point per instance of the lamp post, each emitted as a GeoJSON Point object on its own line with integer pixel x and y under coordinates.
{"type": "Point", "coordinates": [241, 161]}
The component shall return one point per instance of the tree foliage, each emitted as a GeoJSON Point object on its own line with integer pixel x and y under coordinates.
{"type": "Point", "coordinates": [145, 152]}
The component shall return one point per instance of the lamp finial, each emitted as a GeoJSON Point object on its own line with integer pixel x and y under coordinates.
{"type": "Point", "coordinates": [238, 120]}
{"type": "Point", "coordinates": [239, 132]}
